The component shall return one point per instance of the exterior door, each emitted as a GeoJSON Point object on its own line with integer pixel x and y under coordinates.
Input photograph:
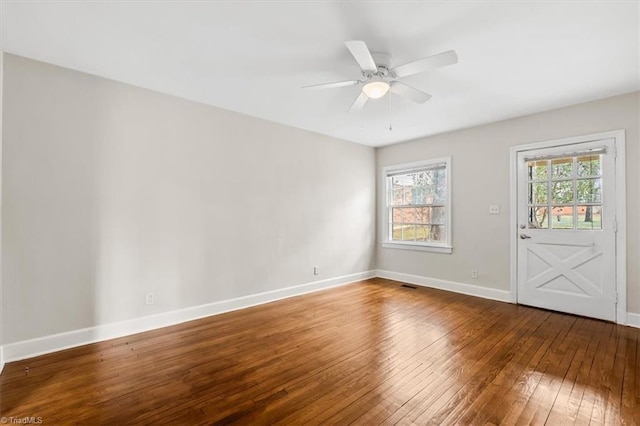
{"type": "Point", "coordinates": [566, 254]}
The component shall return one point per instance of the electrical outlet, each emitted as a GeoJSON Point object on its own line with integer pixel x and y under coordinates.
{"type": "Point", "coordinates": [494, 209]}
{"type": "Point", "coordinates": [316, 270]}
{"type": "Point", "coordinates": [149, 299]}
{"type": "Point", "coordinates": [474, 274]}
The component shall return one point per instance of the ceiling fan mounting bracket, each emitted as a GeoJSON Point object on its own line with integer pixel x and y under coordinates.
{"type": "Point", "coordinates": [382, 73]}
{"type": "Point", "coordinates": [382, 59]}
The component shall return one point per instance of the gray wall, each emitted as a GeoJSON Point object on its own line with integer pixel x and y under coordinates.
{"type": "Point", "coordinates": [112, 191]}
{"type": "Point", "coordinates": [480, 158]}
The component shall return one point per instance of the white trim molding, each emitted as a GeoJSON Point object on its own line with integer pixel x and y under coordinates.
{"type": "Point", "coordinates": [621, 210]}
{"type": "Point", "coordinates": [456, 287]}
{"type": "Point", "coordinates": [633, 320]}
{"type": "Point", "coordinates": [1, 359]}
{"type": "Point", "coordinates": [47, 344]}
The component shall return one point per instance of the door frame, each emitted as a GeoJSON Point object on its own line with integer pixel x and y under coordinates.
{"type": "Point", "coordinates": [621, 210]}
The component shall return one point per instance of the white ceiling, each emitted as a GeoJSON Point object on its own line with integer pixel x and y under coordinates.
{"type": "Point", "coordinates": [515, 58]}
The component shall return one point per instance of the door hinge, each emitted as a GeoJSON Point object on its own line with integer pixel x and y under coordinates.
{"type": "Point", "coordinates": [616, 298]}
{"type": "Point", "coordinates": [615, 151]}
{"type": "Point", "coordinates": [615, 226]}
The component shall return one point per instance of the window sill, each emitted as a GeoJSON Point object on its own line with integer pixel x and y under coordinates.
{"type": "Point", "coordinates": [417, 247]}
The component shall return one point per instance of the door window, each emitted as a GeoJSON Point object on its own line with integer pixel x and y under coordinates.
{"type": "Point", "coordinates": [565, 193]}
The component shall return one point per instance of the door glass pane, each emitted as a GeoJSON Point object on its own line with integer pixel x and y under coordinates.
{"type": "Point", "coordinates": [562, 192]}
{"type": "Point", "coordinates": [538, 217]}
{"type": "Point", "coordinates": [589, 165]}
{"type": "Point", "coordinates": [562, 217]}
{"type": "Point", "coordinates": [590, 217]}
{"type": "Point", "coordinates": [562, 168]}
{"type": "Point", "coordinates": [538, 170]}
{"type": "Point", "coordinates": [589, 190]}
{"type": "Point", "coordinates": [538, 193]}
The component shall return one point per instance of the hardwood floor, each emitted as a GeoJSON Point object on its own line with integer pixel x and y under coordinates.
{"type": "Point", "coordinates": [367, 353]}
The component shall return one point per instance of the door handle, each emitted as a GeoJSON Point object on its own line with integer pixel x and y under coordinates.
{"type": "Point", "coordinates": [524, 236]}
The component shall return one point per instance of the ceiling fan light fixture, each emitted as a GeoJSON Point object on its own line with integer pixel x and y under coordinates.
{"type": "Point", "coordinates": [376, 89]}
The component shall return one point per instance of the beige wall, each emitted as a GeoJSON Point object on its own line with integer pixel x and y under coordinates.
{"type": "Point", "coordinates": [480, 165]}
{"type": "Point", "coordinates": [112, 191]}
{"type": "Point", "coordinates": [1, 287]}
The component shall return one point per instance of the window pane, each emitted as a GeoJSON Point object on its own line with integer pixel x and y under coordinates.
{"type": "Point", "coordinates": [408, 232]}
{"type": "Point", "coordinates": [406, 214]}
{"type": "Point", "coordinates": [398, 180]}
{"type": "Point", "coordinates": [562, 217]}
{"type": "Point", "coordinates": [562, 192]}
{"type": "Point", "coordinates": [589, 190]}
{"type": "Point", "coordinates": [439, 187]}
{"type": "Point", "coordinates": [416, 195]}
{"type": "Point", "coordinates": [538, 193]}
{"type": "Point", "coordinates": [437, 216]}
{"type": "Point", "coordinates": [589, 165]}
{"type": "Point", "coordinates": [396, 234]}
{"type": "Point", "coordinates": [590, 217]}
{"type": "Point", "coordinates": [397, 196]}
{"type": "Point", "coordinates": [538, 217]}
{"type": "Point", "coordinates": [562, 168]}
{"type": "Point", "coordinates": [538, 170]}
{"type": "Point", "coordinates": [422, 233]}
{"type": "Point", "coordinates": [403, 232]}
{"type": "Point", "coordinates": [436, 233]}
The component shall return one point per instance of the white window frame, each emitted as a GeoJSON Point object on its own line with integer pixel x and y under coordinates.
{"type": "Point", "coordinates": [387, 242]}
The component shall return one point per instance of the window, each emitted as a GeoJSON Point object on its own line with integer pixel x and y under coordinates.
{"type": "Point", "coordinates": [565, 192]}
{"type": "Point", "coordinates": [418, 208]}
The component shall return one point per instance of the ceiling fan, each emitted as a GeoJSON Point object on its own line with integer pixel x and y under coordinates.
{"type": "Point", "coordinates": [380, 78]}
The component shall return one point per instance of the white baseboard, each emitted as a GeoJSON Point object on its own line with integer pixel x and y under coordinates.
{"type": "Point", "coordinates": [39, 346]}
{"type": "Point", "coordinates": [468, 289]}
{"type": "Point", "coordinates": [42, 345]}
{"type": "Point", "coordinates": [633, 320]}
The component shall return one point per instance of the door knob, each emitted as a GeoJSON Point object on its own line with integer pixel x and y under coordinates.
{"type": "Point", "coordinates": [524, 236]}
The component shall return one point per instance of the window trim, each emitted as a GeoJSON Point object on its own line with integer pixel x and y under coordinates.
{"type": "Point", "coordinates": [445, 247]}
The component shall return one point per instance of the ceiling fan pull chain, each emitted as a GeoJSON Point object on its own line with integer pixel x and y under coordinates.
{"type": "Point", "coordinates": [390, 116]}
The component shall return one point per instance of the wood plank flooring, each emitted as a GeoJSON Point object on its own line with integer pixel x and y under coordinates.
{"type": "Point", "coordinates": [372, 352]}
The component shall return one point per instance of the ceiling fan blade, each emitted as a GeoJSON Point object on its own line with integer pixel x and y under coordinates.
{"type": "Point", "coordinates": [362, 55]}
{"type": "Point", "coordinates": [333, 85]}
{"type": "Point", "coordinates": [412, 93]}
{"type": "Point", "coordinates": [359, 102]}
{"type": "Point", "coordinates": [426, 64]}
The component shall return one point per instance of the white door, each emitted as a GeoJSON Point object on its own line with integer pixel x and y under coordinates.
{"type": "Point", "coordinates": [567, 229]}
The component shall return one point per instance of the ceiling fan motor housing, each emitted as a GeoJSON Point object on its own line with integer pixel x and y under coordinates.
{"type": "Point", "coordinates": [383, 62]}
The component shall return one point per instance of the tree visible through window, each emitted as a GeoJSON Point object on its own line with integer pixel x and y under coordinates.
{"type": "Point", "coordinates": [565, 193]}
